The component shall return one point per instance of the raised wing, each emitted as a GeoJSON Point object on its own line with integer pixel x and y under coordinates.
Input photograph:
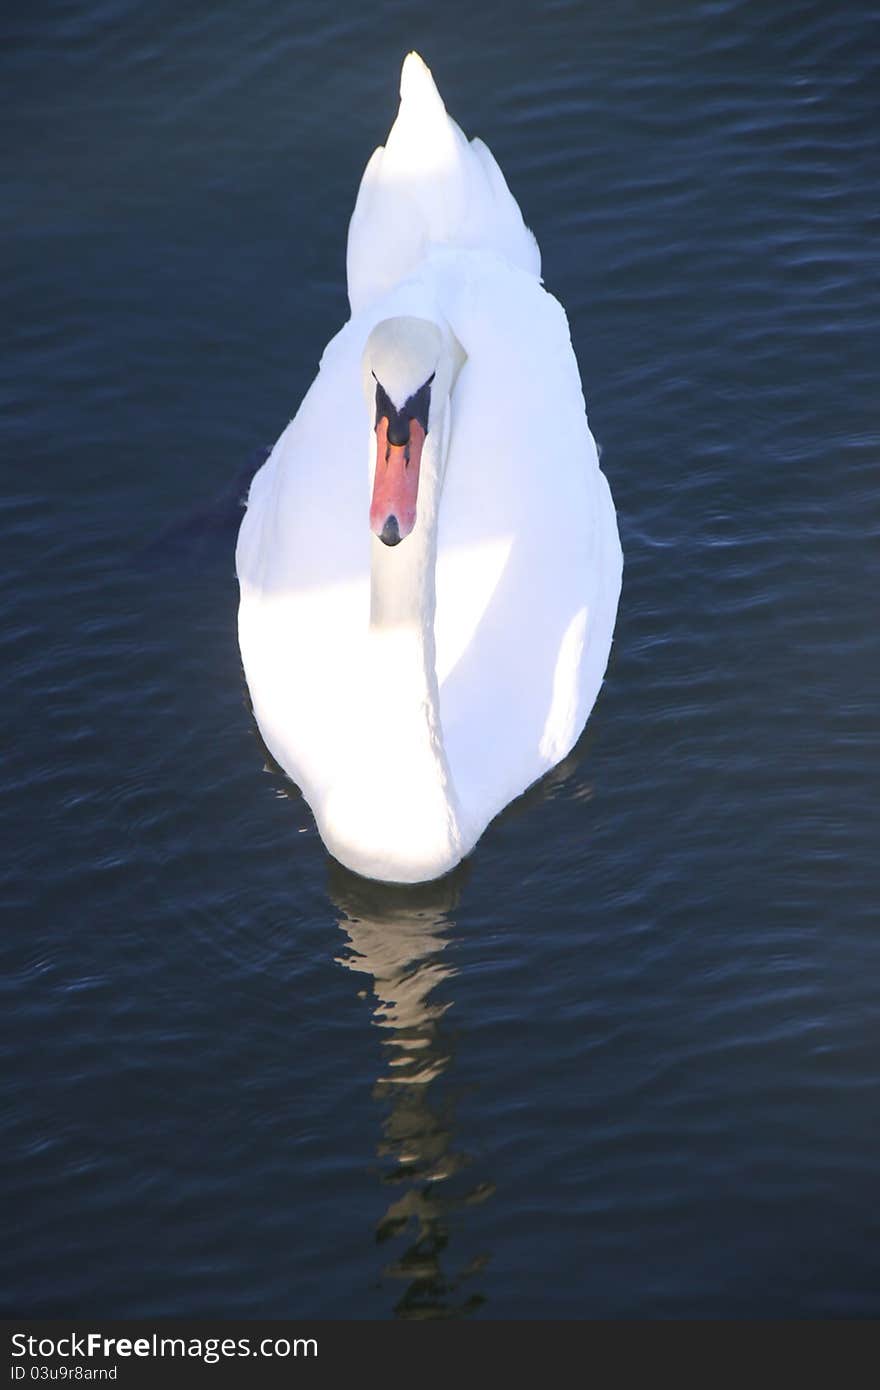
{"type": "Point", "coordinates": [428, 187]}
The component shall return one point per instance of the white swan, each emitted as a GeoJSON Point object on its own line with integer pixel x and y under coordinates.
{"type": "Point", "coordinates": [429, 562]}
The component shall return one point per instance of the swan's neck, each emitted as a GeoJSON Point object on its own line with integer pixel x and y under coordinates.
{"type": "Point", "coordinates": [402, 577]}
{"type": "Point", "coordinates": [397, 804]}
{"type": "Point", "coordinates": [402, 606]}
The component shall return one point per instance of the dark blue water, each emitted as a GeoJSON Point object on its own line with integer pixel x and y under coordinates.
{"type": "Point", "coordinates": [626, 1061]}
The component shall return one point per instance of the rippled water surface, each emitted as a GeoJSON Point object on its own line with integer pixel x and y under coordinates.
{"type": "Point", "coordinates": [626, 1061]}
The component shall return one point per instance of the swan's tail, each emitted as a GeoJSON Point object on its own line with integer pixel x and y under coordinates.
{"type": "Point", "coordinates": [427, 186]}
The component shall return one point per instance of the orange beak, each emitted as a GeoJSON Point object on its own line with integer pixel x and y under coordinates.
{"type": "Point", "coordinates": [396, 484]}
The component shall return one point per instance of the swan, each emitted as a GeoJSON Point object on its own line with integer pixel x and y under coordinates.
{"type": "Point", "coordinates": [429, 563]}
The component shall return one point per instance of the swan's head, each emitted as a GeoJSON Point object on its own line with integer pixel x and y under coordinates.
{"type": "Point", "coordinates": [407, 377]}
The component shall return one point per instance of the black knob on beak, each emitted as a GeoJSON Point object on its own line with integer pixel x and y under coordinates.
{"type": "Point", "coordinates": [398, 430]}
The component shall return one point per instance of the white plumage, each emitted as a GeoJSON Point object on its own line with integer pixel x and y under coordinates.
{"type": "Point", "coordinates": [413, 691]}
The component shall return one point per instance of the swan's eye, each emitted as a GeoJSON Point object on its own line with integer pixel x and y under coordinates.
{"type": "Point", "coordinates": [419, 404]}
{"type": "Point", "coordinates": [384, 408]}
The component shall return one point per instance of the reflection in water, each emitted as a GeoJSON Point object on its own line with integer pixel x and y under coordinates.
{"type": "Point", "coordinates": [398, 936]}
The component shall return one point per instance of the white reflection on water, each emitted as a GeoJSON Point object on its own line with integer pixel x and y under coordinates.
{"type": "Point", "coordinates": [397, 937]}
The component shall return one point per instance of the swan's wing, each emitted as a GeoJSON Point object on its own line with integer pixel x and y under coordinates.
{"type": "Point", "coordinates": [303, 566]}
{"type": "Point", "coordinates": [529, 561]}
{"type": "Point", "coordinates": [428, 187]}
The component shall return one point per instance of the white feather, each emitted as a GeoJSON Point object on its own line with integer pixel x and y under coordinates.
{"type": "Point", "coordinates": [402, 770]}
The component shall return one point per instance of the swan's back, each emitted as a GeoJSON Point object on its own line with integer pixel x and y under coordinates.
{"type": "Point", "coordinates": [428, 186]}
